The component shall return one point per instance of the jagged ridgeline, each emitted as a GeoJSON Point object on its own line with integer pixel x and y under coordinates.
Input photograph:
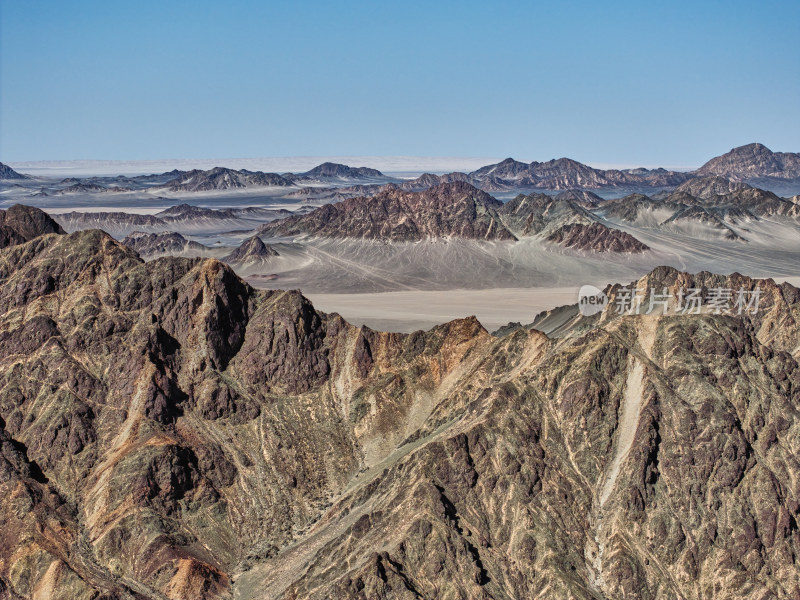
{"type": "Point", "coordinates": [167, 431]}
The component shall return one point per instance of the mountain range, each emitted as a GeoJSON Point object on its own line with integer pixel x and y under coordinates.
{"type": "Point", "coordinates": [220, 178]}
{"type": "Point", "coordinates": [564, 173]}
{"type": "Point", "coordinates": [171, 243]}
{"type": "Point", "coordinates": [458, 210]}
{"type": "Point", "coordinates": [753, 163]}
{"type": "Point", "coordinates": [167, 431]}
{"type": "Point", "coordinates": [451, 209]}
{"type": "Point", "coordinates": [183, 217]}
{"type": "Point", "coordinates": [571, 219]}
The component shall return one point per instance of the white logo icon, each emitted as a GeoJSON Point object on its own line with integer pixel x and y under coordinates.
{"type": "Point", "coordinates": [591, 300]}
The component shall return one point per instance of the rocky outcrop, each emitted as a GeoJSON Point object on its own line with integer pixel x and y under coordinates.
{"type": "Point", "coordinates": [596, 237]}
{"type": "Point", "coordinates": [21, 223]}
{"type": "Point", "coordinates": [454, 209]}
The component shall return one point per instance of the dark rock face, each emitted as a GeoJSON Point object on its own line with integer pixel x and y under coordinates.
{"type": "Point", "coordinates": [752, 161]}
{"type": "Point", "coordinates": [454, 209]}
{"type": "Point", "coordinates": [596, 238]}
{"type": "Point", "coordinates": [21, 223]}
{"type": "Point", "coordinates": [166, 431]}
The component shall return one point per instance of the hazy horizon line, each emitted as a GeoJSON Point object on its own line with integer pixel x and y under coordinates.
{"type": "Point", "coordinates": [284, 164]}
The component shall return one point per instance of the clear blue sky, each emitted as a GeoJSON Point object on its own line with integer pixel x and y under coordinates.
{"type": "Point", "coordinates": [670, 83]}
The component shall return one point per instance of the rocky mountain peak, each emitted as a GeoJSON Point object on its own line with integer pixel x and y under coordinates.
{"type": "Point", "coordinates": [22, 223]}
{"type": "Point", "coordinates": [252, 249]}
{"type": "Point", "coordinates": [753, 161]}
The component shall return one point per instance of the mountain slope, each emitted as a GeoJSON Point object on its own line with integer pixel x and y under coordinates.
{"type": "Point", "coordinates": [708, 186]}
{"type": "Point", "coordinates": [540, 213]}
{"type": "Point", "coordinates": [167, 431]}
{"type": "Point", "coordinates": [596, 237]}
{"type": "Point", "coordinates": [757, 201]}
{"type": "Point", "coordinates": [183, 217]}
{"type": "Point", "coordinates": [451, 209]}
{"type": "Point", "coordinates": [7, 172]}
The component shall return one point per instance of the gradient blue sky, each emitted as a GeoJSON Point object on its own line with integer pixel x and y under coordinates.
{"type": "Point", "coordinates": [634, 83]}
